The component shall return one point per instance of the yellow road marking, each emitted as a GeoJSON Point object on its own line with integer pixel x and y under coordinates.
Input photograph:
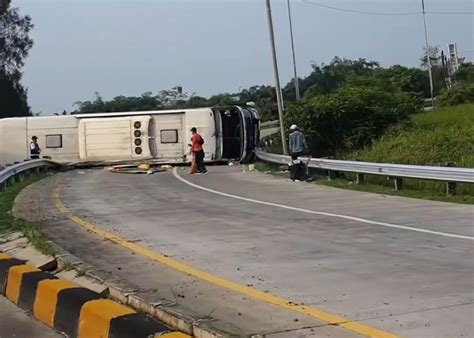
{"type": "Point", "coordinates": [244, 290]}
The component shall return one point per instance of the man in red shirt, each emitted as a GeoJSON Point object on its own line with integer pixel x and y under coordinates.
{"type": "Point", "coordinates": [198, 152]}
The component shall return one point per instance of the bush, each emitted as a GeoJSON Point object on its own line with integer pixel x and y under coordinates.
{"type": "Point", "coordinates": [351, 117]}
{"type": "Point", "coordinates": [460, 94]}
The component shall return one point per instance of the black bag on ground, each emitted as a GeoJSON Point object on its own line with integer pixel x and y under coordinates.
{"type": "Point", "coordinates": [297, 170]}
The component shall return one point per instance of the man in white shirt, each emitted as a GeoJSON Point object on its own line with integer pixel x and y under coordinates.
{"type": "Point", "coordinates": [35, 150]}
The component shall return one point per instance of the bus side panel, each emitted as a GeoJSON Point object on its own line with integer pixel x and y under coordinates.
{"type": "Point", "coordinates": [203, 120]}
{"type": "Point", "coordinates": [171, 139]}
{"type": "Point", "coordinates": [57, 137]}
{"type": "Point", "coordinates": [13, 140]}
{"type": "Point", "coordinates": [116, 138]}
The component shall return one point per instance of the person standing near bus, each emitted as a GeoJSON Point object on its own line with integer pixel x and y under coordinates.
{"type": "Point", "coordinates": [197, 150]}
{"type": "Point", "coordinates": [35, 149]}
{"type": "Point", "coordinates": [297, 144]}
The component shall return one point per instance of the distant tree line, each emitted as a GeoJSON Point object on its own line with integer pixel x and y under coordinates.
{"type": "Point", "coordinates": [323, 79]}
{"type": "Point", "coordinates": [346, 104]}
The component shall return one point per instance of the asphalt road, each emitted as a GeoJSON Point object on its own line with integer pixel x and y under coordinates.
{"type": "Point", "coordinates": [14, 323]}
{"type": "Point", "coordinates": [348, 253]}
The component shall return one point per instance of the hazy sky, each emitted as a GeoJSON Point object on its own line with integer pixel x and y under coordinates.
{"type": "Point", "coordinates": [127, 47]}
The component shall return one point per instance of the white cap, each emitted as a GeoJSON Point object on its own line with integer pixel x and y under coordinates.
{"type": "Point", "coordinates": [293, 127]}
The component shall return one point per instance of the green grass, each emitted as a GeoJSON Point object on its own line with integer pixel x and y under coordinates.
{"type": "Point", "coordinates": [386, 190]}
{"type": "Point", "coordinates": [439, 136]}
{"type": "Point", "coordinates": [347, 181]}
{"type": "Point", "coordinates": [8, 223]}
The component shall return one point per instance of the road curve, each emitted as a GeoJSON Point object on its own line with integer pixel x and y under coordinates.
{"type": "Point", "coordinates": [371, 266]}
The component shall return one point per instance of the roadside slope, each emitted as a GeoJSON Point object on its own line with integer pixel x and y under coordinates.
{"type": "Point", "coordinates": [439, 136]}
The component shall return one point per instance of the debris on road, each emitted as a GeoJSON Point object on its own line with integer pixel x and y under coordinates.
{"type": "Point", "coordinates": [143, 168]}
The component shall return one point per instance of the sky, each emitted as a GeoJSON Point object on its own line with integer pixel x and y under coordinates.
{"type": "Point", "coordinates": [128, 47]}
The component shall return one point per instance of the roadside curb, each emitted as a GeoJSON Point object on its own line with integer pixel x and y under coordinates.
{"type": "Point", "coordinates": [120, 290]}
{"type": "Point", "coordinates": [71, 308]}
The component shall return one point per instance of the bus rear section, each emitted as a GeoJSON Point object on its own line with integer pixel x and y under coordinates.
{"type": "Point", "coordinates": [238, 132]}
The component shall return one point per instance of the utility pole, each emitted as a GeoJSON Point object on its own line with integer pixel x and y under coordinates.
{"type": "Point", "coordinates": [297, 85]}
{"type": "Point", "coordinates": [430, 73]}
{"type": "Point", "coordinates": [277, 77]}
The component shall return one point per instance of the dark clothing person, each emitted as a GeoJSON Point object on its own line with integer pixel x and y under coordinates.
{"type": "Point", "coordinates": [35, 150]}
{"type": "Point", "coordinates": [200, 161]}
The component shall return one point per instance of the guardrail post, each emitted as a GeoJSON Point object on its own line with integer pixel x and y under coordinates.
{"type": "Point", "coordinates": [359, 179]}
{"type": "Point", "coordinates": [450, 186]}
{"type": "Point", "coordinates": [3, 186]}
{"type": "Point", "coordinates": [398, 181]}
{"type": "Point", "coordinates": [331, 175]}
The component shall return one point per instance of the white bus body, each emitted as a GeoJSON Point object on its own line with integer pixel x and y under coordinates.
{"type": "Point", "coordinates": [229, 133]}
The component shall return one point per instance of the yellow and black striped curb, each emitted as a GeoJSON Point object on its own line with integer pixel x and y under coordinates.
{"type": "Point", "coordinates": [72, 309]}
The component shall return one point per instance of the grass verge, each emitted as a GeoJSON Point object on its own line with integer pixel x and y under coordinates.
{"type": "Point", "coordinates": [347, 181]}
{"type": "Point", "coordinates": [8, 223]}
{"type": "Point", "coordinates": [439, 136]}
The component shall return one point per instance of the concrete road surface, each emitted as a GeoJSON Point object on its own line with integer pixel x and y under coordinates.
{"type": "Point", "coordinates": [399, 265]}
{"type": "Point", "coordinates": [14, 323]}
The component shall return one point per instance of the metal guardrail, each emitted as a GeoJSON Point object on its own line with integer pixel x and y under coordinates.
{"type": "Point", "coordinates": [270, 124]}
{"type": "Point", "coordinates": [444, 174]}
{"type": "Point", "coordinates": [19, 170]}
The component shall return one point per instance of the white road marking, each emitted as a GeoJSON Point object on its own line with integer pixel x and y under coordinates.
{"type": "Point", "coordinates": [314, 212]}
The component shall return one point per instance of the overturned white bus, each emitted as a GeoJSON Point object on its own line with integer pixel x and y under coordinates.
{"type": "Point", "coordinates": [230, 133]}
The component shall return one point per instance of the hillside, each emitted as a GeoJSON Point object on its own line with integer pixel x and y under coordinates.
{"type": "Point", "coordinates": [443, 135]}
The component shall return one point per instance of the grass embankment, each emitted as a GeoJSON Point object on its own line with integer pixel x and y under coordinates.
{"type": "Point", "coordinates": [8, 223]}
{"type": "Point", "coordinates": [432, 138]}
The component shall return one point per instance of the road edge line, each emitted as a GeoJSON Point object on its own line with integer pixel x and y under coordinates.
{"type": "Point", "coordinates": [322, 213]}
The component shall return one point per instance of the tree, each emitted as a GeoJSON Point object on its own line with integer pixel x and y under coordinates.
{"type": "Point", "coordinates": [438, 70]}
{"type": "Point", "coordinates": [463, 89]}
{"type": "Point", "coordinates": [173, 98]}
{"type": "Point", "coordinates": [408, 80]}
{"type": "Point", "coordinates": [12, 98]}
{"type": "Point", "coordinates": [15, 45]}
{"type": "Point", "coordinates": [459, 94]}
{"type": "Point", "coordinates": [351, 117]}
{"type": "Point", "coordinates": [465, 73]}
{"type": "Point", "coordinates": [326, 78]}
{"type": "Point", "coordinates": [119, 104]}
{"type": "Point", "coordinates": [265, 100]}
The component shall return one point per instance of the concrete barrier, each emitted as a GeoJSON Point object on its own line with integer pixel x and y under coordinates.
{"type": "Point", "coordinates": [71, 308]}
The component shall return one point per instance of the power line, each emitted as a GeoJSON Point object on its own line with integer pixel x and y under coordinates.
{"type": "Point", "coordinates": [308, 2]}
{"type": "Point", "coordinates": [451, 13]}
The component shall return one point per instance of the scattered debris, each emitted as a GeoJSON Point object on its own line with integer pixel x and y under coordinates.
{"type": "Point", "coordinates": [143, 168]}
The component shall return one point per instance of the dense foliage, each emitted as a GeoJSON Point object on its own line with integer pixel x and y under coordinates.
{"type": "Point", "coordinates": [15, 44]}
{"type": "Point", "coordinates": [323, 79]}
{"type": "Point", "coordinates": [463, 89]}
{"type": "Point", "coordinates": [350, 117]}
{"type": "Point", "coordinates": [459, 94]}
